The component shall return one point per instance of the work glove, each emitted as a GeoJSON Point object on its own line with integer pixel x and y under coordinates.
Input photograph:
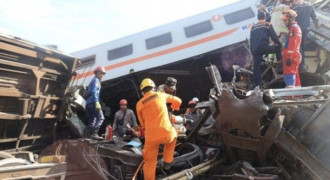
{"type": "Point", "coordinates": [97, 106]}
{"type": "Point", "coordinates": [288, 62]}
{"type": "Point", "coordinates": [175, 106]}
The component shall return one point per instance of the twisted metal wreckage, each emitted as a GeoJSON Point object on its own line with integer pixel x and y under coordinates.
{"type": "Point", "coordinates": [260, 134]}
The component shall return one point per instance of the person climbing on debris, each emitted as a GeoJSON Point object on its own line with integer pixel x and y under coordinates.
{"type": "Point", "coordinates": [124, 119]}
{"type": "Point", "coordinates": [305, 12]}
{"type": "Point", "coordinates": [153, 116]}
{"type": "Point", "coordinates": [194, 113]}
{"type": "Point", "coordinates": [169, 86]}
{"type": "Point", "coordinates": [291, 50]}
{"type": "Point", "coordinates": [188, 110]}
{"type": "Point", "coordinates": [259, 45]}
{"type": "Point", "coordinates": [93, 105]}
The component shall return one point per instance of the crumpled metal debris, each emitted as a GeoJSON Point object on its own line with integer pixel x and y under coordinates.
{"type": "Point", "coordinates": [244, 170]}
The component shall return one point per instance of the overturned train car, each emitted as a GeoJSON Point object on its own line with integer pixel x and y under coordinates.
{"type": "Point", "coordinates": [33, 82]}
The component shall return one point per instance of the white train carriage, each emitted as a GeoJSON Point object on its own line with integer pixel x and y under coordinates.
{"type": "Point", "coordinates": [169, 43]}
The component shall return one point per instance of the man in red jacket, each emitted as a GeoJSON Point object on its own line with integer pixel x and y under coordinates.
{"type": "Point", "coordinates": [291, 47]}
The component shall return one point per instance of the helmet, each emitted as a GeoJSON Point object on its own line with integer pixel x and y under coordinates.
{"type": "Point", "coordinates": [99, 69]}
{"type": "Point", "coordinates": [195, 99]}
{"type": "Point", "coordinates": [146, 83]}
{"type": "Point", "coordinates": [288, 14]}
{"type": "Point", "coordinates": [123, 102]}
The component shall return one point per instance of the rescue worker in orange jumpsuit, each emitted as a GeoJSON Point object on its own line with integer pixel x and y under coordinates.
{"type": "Point", "coordinates": [291, 48]}
{"type": "Point", "coordinates": [153, 116]}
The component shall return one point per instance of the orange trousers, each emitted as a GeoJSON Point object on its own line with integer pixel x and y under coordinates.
{"type": "Point", "coordinates": [150, 154]}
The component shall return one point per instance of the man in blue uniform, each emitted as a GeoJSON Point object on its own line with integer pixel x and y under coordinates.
{"type": "Point", "coordinates": [304, 13]}
{"type": "Point", "coordinates": [259, 45]}
{"type": "Point", "coordinates": [93, 105]}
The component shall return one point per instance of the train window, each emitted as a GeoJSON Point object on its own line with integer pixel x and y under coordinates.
{"type": "Point", "coordinates": [239, 16]}
{"type": "Point", "coordinates": [86, 62]}
{"type": "Point", "coordinates": [120, 52]}
{"type": "Point", "coordinates": [159, 41]}
{"type": "Point", "coordinates": [197, 29]}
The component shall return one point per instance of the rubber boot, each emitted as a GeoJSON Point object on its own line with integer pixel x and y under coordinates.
{"type": "Point", "coordinates": [95, 134]}
{"type": "Point", "coordinates": [88, 132]}
{"type": "Point", "coordinates": [166, 166]}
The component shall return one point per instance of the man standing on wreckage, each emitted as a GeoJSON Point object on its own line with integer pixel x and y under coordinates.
{"type": "Point", "coordinates": [291, 48]}
{"type": "Point", "coordinates": [259, 45]}
{"type": "Point", "coordinates": [153, 116]}
{"type": "Point", "coordinates": [93, 105]}
{"type": "Point", "coordinates": [304, 11]}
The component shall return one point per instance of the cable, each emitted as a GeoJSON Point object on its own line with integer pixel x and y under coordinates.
{"type": "Point", "coordinates": [90, 164]}
{"type": "Point", "coordinates": [137, 170]}
{"type": "Point", "coordinates": [99, 170]}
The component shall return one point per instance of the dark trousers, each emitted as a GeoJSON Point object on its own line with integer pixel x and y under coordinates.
{"type": "Point", "coordinates": [257, 59]}
{"type": "Point", "coordinates": [95, 117]}
{"type": "Point", "coordinates": [304, 33]}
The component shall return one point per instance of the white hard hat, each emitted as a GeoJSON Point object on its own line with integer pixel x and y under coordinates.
{"type": "Point", "coordinates": [195, 99]}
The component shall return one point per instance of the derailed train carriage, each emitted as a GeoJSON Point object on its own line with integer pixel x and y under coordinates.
{"type": "Point", "coordinates": [242, 134]}
{"type": "Point", "coordinates": [262, 135]}
{"type": "Point", "coordinates": [33, 83]}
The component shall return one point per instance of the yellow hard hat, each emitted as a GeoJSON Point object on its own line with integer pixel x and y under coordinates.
{"type": "Point", "coordinates": [147, 82]}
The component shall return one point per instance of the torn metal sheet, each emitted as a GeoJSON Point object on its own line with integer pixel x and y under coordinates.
{"type": "Point", "coordinates": [290, 144]}
{"type": "Point", "coordinates": [243, 170]}
{"type": "Point", "coordinates": [241, 114]}
{"type": "Point", "coordinates": [34, 171]}
{"type": "Point", "coordinates": [310, 91]}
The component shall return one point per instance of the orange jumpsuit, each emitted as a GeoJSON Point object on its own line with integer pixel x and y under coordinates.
{"type": "Point", "coordinates": [153, 116]}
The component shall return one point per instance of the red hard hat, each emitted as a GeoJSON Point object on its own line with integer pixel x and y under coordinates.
{"type": "Point", "coordinates": [99, 69]}
{"type": "Point", "coordinates": [123, 102]}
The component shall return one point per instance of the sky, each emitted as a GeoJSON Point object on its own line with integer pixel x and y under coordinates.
{"type": "Point", "coordinates": [74, 25]}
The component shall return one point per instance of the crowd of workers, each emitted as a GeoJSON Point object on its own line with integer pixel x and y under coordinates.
{"type": "Point", "coordinates": [155, 107]}
{"type": "Point", "coordinates": [287, 27]}
{"type": "Point", "coordinates": [154, 111]}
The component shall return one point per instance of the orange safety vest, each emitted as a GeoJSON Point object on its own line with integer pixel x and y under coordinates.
{"type": "Point", "coordinates": [153, 115]}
